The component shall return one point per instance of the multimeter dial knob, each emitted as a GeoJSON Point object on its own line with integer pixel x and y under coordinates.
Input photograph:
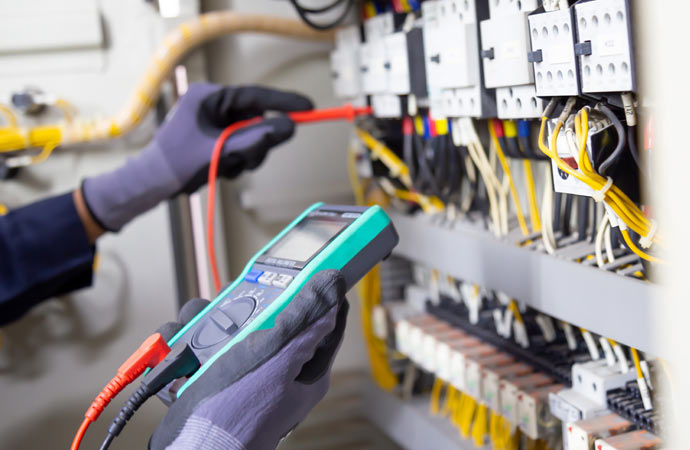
{"type": "Point", "coordinates": [240, 309]}
{"type": "Point", "coordinates": [223, 322]}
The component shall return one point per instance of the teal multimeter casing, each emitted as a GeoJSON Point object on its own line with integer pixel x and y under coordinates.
{"type": "Point", "coordinates": [351, 239]}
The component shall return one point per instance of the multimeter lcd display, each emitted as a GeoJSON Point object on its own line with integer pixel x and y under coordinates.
{"type": "Point", "coordinates": [306, 239]}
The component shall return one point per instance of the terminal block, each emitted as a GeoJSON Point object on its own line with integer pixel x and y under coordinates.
{"type": "Point", "coordinates": [553, 53]}
{"type": "Point", "coordinates": [581, 435]}
{"type": "Point", "coordinates": [604, 46]}
{"type": "Point", "coordinates": [519, 102]}
{"type": "Point", "coordinates": [386, 106]}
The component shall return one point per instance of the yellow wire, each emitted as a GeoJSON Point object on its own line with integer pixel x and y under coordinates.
{"type": "Point", "coordinates": [614, 197]}
{"type": "Point", "coordinates": [479, 426]}
{"type": "Point", "coordinates": [535, 219]}
{"type": "Point", "coordinates": [637, 251]}
{"type": "Point", "coordinates": [515, 438]}
{"type": "Point", "coordinates": [370, 295]}
{"type": "Point", "coordinates": [398, 169]}
{"type": "Point", "coordinates": [355, 182]}
{"type": "Point", "coordinates": [636, 359]}
{"type": "Point", "coordinates": [67, 109]}
{"type": "Point", "coordinates": [467, 416]}
{"type": "Point", "coordinates": [448, 401]}
{"type": "Point", "coordinates": [10, 115]}
{"type": "Point", "coordinates": [45, 153]}
{"type": "Point", "coordinates": [508, 174]}
{"type": "Point", "coordinates": [435, 398]}
{"type": "Point", "coordinates": [516, 311]}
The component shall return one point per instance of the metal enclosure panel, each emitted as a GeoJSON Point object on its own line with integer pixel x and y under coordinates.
{"type": "Point", "coordinates": [555, 286]}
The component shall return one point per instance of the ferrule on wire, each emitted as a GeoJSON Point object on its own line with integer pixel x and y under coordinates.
{"type": "Point", "coordinates": [600, 195]}
{"type": "Point", "coordinates": [648, 240]}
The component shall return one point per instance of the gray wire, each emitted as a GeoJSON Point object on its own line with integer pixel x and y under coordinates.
{"type": "Point", "coordinates": [618, 151]}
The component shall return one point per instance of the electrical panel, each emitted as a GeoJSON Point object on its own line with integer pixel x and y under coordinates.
{"type": "Point", "coordinates": [505, 45]}
{"type": "Point", "coordinates": [345, 70]}
{"type": "Point", "coordinates": [451, 49]}
{"type": "Point", "coordinates": [505, 48]}
{"type": "Point", "coordinates": [373, 64]}
{"type": "Point", "coordinates": [397, 63]}
{"type": "Point", "coordinates": [552, 35]}
{"type": "Point", "coordinates": [604, 46]}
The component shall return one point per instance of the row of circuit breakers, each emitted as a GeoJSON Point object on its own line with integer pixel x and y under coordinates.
{"type": "Point", "coordinates": [485, 58]}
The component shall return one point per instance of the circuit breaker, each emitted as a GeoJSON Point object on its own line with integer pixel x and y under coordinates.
{"type": "Point", "coordinates": [505, 46]}
{"type": "Point", "coordinates": [373, 62]}
{"type": "Point", "coordinates": [553, 53]}
{"type": "Point", "coordinates": [345, 70]}
{"type": "Point", "coordinates": [396, 63]}
{"type": "Point", "coordinates": [604, 46]}
{"type": "Point", "coordinates": [451, 48]}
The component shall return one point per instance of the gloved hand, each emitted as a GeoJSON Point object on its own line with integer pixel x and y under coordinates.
{"type": "Point", "coordinates": [177, 159]}
{"type": "Point", "coordinates": [258, 391]}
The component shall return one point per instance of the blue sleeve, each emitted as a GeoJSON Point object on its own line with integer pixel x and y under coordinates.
{"type": "Point", "coordinates": [44, 252]}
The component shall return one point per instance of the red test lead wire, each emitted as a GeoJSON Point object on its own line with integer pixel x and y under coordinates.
{"type": "Point", "coordinates": [152, 351]}
{"type": "Point", "coordinates": [345, 112]}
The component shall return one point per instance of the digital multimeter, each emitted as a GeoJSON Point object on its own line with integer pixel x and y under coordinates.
{"type": "Point", "coordinates": [351, 239]}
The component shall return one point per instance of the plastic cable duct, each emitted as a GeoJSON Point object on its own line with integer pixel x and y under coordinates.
{"type": "Point", "coordinates": [175, 45]}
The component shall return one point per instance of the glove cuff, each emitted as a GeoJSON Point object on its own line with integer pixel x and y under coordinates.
{"type": "Point", "coordinates": [116, 197]}
{"type": "Point", "coordinates": [202, 433]}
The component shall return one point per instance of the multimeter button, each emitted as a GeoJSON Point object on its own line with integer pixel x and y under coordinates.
{"type": "Point", "coordinates": [253, 275]}
{"type": "Point", "coordinates": [224, 321]}
{"type": "Point", "coordinates": [282, 281]}
{"type": "Point", "coordinates": [267, 278]}
{"type": "Point", "coordinates": [239, 310]}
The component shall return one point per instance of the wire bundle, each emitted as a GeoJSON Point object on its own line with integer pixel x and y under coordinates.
{"type": "Point", "coordinates": [613, 197]}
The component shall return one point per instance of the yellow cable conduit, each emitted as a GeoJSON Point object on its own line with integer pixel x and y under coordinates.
{"type": "Point", "coordinates": [175, 45]}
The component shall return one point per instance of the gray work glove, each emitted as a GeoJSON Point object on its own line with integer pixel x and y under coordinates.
{"type": "Point", "coordinates": [177, 159]}
{"type": "Point", "coordinates": [258, 391]}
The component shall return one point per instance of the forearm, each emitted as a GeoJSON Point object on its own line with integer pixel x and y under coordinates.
{"type": "Point", "coordinates": [45, 251]}
{"type": "Point", "coordinates": [91, 227]}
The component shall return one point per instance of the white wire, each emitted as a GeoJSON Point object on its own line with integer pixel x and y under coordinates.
{"type": "Point", "coordinates": [607, 243]}
{"type": "Point", "coordinates": [478, 155]}
{"type": "Point", "coordinates": [546, 212]}
{"type": "Point", "coordinates": [598, 243]}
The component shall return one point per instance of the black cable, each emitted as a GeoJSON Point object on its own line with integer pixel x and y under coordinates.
{"type": "Point", "coordinates": [557, 198]}
{"type": "Point", "coordinates": [528, 149]}
{"type": "Point", "coordinates": [582, 217]}
{"type": "Point", "coordinates": [593, 235]}
{"type": "Point", "coordinates": [454, 166]}
{"type": "Point", "coordinates": [618, 151]}
{"type": "Point", "coordinates": [109, 438]}
{"type": "Point", "coordinates": [303, 14]}
{"type": "Point", "coordinates": [632, 146]}
{"type": "Point", "coordinates": [426, 177]}
{"type": "Point", "coordinates": [567, 213]}
{"type": "Point", "coordinates": [321, 9]}
{"type": "Point", "coordinates": [180, 362]}
{"type": "Point", "coordinates": [511, 148]}
{"type": "Point", "coordinates": [408, 156]}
